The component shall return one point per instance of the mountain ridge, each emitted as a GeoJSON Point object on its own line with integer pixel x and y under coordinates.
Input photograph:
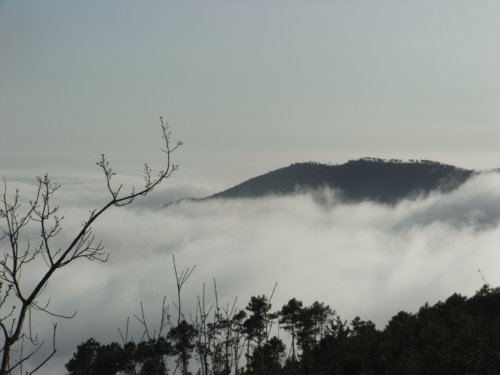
{"type": "Point", "coordinates": [385, 181]}
{"type": "Point", "coordinates": [374, 179]}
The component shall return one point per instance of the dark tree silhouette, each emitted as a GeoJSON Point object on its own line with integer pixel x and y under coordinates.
{"type": "Point", "coordinates": [458, 336]}
{"type": "Point", "coordinates": [183, 336]}
{"type": "Point", "coordinates": [266, 360]}
{"type": "Point", "coordinates": [85, 358]}
{"type": "Point", "coordinates": [256, 325]}
{"type": "Point", "coordinates": [19, 300]}
{"type": "Point", "coordinates": [290, 315]}
{"type": "Point", "coordinates": [146, 358]}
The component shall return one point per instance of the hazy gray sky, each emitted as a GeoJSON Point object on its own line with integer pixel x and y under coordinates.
{"type": "Point", "coordinates": [249, 86]}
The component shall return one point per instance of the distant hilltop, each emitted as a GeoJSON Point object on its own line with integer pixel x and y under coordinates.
{"type": "Point", "coordinates": [373, 179]}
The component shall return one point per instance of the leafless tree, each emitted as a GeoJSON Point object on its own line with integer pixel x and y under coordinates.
{"type": "Point", "coordinates": [220, 340]}
{"type": "Point", "coordinates": [19, 300]}
{"type": "Point", "coordinates": [182, 340]}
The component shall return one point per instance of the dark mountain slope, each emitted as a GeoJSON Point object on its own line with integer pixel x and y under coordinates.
{"type": "Point", "coordinates": [386, 181]}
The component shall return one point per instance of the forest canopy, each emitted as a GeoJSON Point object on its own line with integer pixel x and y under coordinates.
{"type": "Point", "coordinates": [458, 336]}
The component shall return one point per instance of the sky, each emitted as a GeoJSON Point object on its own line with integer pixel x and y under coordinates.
{"type": "Point", "coordinates": [251, 86]}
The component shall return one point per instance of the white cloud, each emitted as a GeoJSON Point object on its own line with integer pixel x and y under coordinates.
{"type": "Point", "coordinates": [362, 259]}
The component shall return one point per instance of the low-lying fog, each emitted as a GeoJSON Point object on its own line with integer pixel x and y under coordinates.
{"type": "Point", "coordinates": [362, 259]}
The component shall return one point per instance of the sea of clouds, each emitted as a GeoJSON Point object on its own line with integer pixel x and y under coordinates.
{"type": "Point", "coordinates": [362, 259]}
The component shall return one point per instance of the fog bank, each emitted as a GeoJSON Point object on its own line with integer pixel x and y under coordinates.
{"type": "Point", "coordinates": [362, 259]}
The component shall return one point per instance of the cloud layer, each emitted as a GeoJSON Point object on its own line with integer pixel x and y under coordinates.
{"type": "Point", "coordinates": [362, 259]}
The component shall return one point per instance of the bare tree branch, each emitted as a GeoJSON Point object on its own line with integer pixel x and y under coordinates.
{"type": "Point", "coordinates": [18, 306]}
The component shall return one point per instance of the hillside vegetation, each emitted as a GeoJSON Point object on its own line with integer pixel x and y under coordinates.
{"type": "Point", "coordinates": [384, 181]}
{"type": "Point", "coordinates": [458, 336]}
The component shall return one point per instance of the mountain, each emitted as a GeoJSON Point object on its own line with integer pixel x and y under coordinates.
{"type": "Point", "coordinates": [384, 181]}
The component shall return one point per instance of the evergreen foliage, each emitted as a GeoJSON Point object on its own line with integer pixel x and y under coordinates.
{"type": "Point", "coordinates": [458, 336]}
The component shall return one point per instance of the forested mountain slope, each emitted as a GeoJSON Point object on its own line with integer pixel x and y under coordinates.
{"type": "Point", "coordinates": [385, 181]}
